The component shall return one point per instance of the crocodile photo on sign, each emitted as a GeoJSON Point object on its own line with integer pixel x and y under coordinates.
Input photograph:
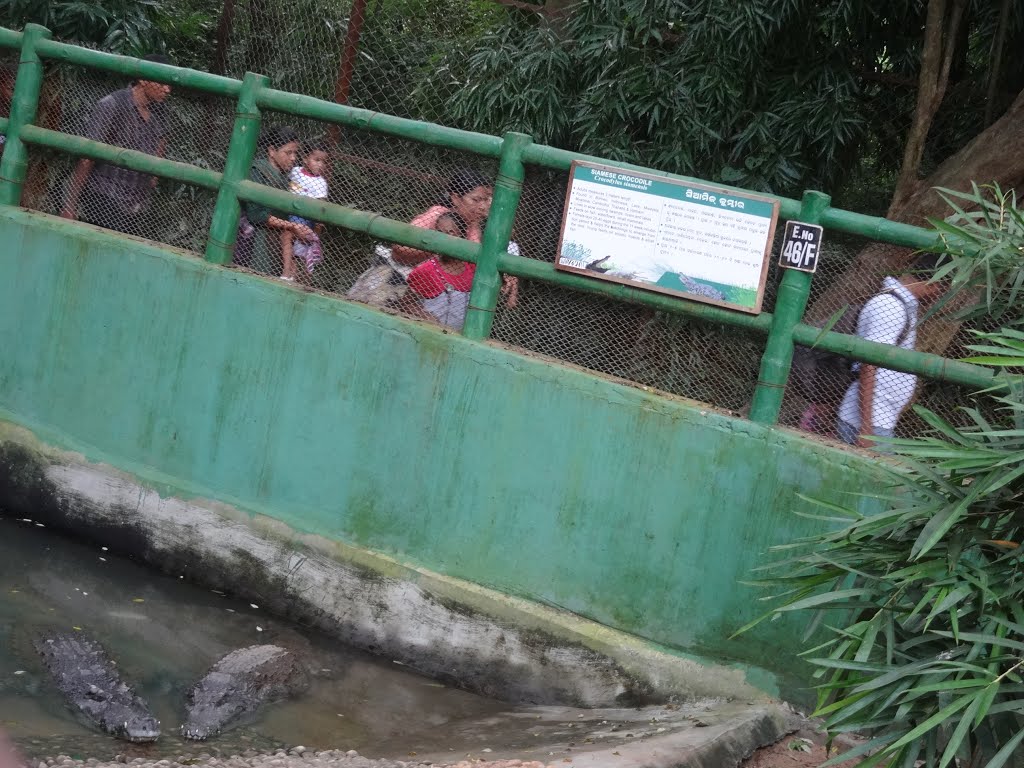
{"type": "Point", "coordinates": [92, 686]}
{"type": "Point", "coordinates": [238, 685]}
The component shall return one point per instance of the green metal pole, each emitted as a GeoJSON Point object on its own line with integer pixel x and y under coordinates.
{"type": "Point", "coordinates": [789, 310]}
{"type": "Point", "coordinates": [220, 245]}
{"type": "Point", "coordinates": [78, 146]}
{"type": "Point", "coordinates": [139, 69]}
{"type": "Point", "coordinates": [483, 299]}
{"type": "Point", "coordinates": [24, 105]}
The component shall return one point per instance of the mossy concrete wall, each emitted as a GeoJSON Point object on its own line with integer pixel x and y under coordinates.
{"type": "Point", "coordinates": [639, 511]}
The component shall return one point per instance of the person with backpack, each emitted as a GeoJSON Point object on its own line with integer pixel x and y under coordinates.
{"type": "Point", "coordinates": [877, 397]}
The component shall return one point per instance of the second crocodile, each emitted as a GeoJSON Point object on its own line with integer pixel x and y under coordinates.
{"type": "Point", "coordinates": [238, 685]}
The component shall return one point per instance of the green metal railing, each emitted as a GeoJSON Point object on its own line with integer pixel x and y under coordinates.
{"type": "Point", "coordinates": [514, 151]}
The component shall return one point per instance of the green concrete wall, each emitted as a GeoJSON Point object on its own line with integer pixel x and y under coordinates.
{"type": "Point", "coordinates": [640, 511]}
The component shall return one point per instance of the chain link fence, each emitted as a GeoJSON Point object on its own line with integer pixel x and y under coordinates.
{"type": "Point", "coordinates": [857, 290]}
{"type": "Point", "coordinates": [180, 125]}
{"type": "Point", "coordinates": [391, 56]}
{"type": "Point", "coordinates": [8, 71]}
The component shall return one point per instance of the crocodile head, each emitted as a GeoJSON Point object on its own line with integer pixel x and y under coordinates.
{"type": "Point", "coordinates": [213, 704]}
{"type": "Point", "coordinates": [133, 726]}
{"type": "Point", "coordinates": [142, 729]}
{"type": "Point", "coordinates": [206, 721]}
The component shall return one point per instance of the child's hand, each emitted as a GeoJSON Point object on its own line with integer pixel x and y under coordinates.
{"type": "Point", "coordinates": [510, 290]}
{"type": "Point", "coordinates": [319, 228]}
{"type": "Point", "coordinates": [304, 233]}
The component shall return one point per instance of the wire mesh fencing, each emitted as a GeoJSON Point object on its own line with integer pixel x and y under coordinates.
{"type": "Point", "coordinates": [371, 172]}
{"type": "Point", "coordinates": [147, 117]}
{"type": "Point", "coordinates": [403, 180]}
{"type": "Point", "coordinates": [8, 72]}
{"type": "Point", "coordinates": [858, 290]}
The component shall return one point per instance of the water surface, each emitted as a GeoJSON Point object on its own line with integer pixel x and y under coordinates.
{"type": "Point", "coordinates": [165, 633]}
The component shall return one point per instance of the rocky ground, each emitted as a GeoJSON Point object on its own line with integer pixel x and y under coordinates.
{"type": "Point", "coordinates": [719, 735]}
{"type": "Point", "coordinates": [790, 752]}
{"type": "Point", "coordinates": [298, 757]}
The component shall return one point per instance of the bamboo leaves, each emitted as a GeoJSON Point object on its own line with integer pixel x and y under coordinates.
{"type": "Point", "coordinates": [923, 646]}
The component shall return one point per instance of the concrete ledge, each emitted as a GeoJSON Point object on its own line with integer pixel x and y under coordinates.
{"type": "Point", "coordinates": [731, 736]}
{"type": "Point", "coordinates": [460, 633]}
{"type": "Point", "coordinates": [703, 734]}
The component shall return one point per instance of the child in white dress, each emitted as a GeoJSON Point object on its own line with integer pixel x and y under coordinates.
{"type": "Point", "coordinates": [307, 180]}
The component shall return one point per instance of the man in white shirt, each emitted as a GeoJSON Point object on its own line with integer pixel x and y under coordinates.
{"type": "Point", "coordinates": [874, 402]}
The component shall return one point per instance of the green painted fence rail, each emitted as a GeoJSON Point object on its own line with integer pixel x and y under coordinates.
{"type": "Point", "coordinates": [924, 364]}
{"type": "Point", "coordinates": [783, 329]}
{"type": "Point", "coordinates": [360, 221]}
{"type": "Point", "coordinates": [124, 158]}
{"type": "Point", "coordinates": [216, 85]}
{"type": "Point", "coordinates": [378, 122]}
{"type": "Point", "coordinates": [9, 38]}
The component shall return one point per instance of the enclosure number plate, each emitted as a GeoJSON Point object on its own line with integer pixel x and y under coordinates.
{"type": "Point", "coordinates": [801, 246]}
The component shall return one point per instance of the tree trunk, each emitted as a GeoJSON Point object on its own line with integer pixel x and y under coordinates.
{"type": "Point", "coordinates": [996, 65]}
{"type": "Point", "coordinates": [219, 60]}
{"type": "Point", "coordinates": [261, 47]}
{"type": "Point", "coordinates": [994, 155]}
{"type": "Point", "coordinates": [349, 55]}
{"type": "Point", "coordinates": [941, 33]}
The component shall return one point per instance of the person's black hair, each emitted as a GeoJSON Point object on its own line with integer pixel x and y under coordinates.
{"type": "Point", "coordinates": [926, 263]}
{"type": "Point", "coordinates": [277, 136]}
{"type": "Point", "coordinates": [456, 219]}
{"type": "Point", "coordinates": [8, 72]}
{"type": "Point", "coordinates": [155, 58]}
{"type": "Point", "coordinates": [314, 145]}
{"type": "Point", "coordinates": [464, 181]}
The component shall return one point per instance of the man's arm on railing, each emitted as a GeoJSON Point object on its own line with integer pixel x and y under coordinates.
{"type": "Point", "coordinates": [78, 179]}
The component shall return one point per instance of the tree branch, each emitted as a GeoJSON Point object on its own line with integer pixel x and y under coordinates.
{"type": "Point", "coordinates": [996, 67]}
{"type": "Point", "coordinates": [888, 78]}
{"type": "Point", "coordinates": [947, 60]}
{"type": "Point", "coordinates": [936, 59]}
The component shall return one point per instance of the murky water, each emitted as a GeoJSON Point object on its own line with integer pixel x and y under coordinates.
{"type": "Point", "coordinates": [165, 634]}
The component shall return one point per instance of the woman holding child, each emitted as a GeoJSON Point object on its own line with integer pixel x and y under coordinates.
{"type": "Point", "coordinates": [440, 286]}
{"type": "Point", "coordinates": [260, 233]}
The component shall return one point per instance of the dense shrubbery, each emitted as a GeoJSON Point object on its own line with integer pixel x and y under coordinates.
{"type": "Point", "coordinates": [922, 605]}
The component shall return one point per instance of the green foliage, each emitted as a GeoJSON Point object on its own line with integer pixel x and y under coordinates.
{"type": "Point", "coordinates": [923, 604]}
{"type": "Point", "coordinates": [767, 94]}
{"type": "Point", "coordinates": [121, 26]}
{"type": "Point", "coordinates": [182, 29]}
{"type": "Point", "coordinates": [402, 44]}
{"type": "Point", "coordinates": [985, 240]}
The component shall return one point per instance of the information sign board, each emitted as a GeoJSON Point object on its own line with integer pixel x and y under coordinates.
{"type": "Point", "coordinates": [690, 240]}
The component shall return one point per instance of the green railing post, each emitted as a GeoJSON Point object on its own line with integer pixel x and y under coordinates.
{"type": "Point", "coordinates": [24, 106]}
{"type": "Point", "coordinates": [241, 151]}
{"type": "Point", "coordinates": [789, 310]}
{"type": "Point", "coordinates": [508, 188]}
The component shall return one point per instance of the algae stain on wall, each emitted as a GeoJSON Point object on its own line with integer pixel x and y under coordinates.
{"type": "Point", "coordinates": [639, 511]}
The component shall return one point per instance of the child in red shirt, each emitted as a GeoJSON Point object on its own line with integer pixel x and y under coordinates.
{"type": "Point", "coordinates": [444, 284]}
